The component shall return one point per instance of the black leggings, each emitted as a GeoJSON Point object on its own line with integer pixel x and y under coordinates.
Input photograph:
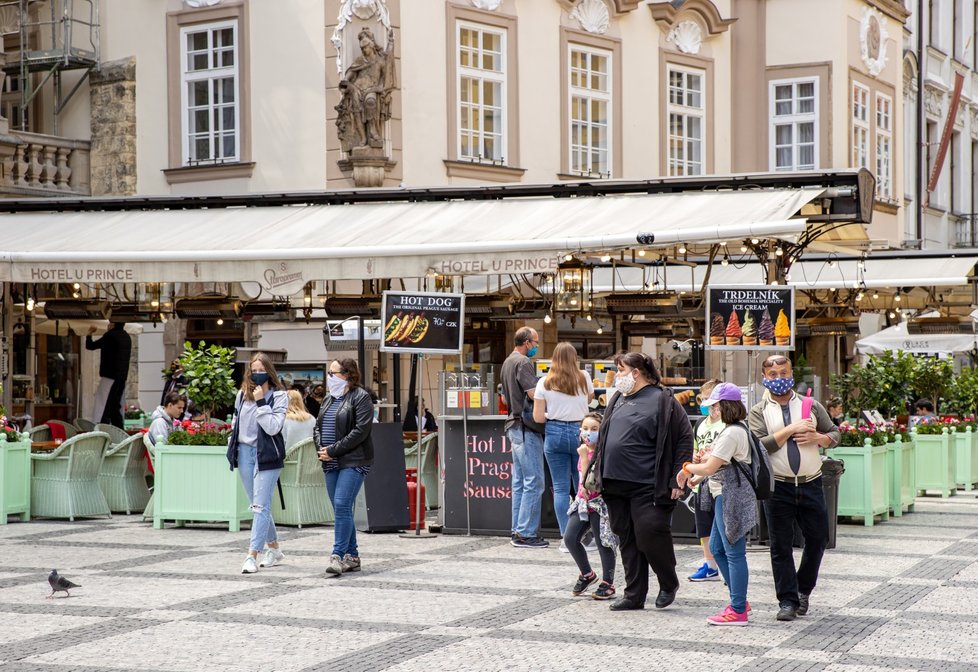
{"type": "Point", "coordinates": [574, 533]}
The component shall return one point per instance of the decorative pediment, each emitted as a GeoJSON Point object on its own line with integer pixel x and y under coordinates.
{"type": "Point", "coordinates": [619, 6]}
{"type": "Point", "coordinates": [669, 14]}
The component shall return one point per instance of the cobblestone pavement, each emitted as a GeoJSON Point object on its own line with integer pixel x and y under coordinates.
{"type": "Point", "coordinates": [902, 595]}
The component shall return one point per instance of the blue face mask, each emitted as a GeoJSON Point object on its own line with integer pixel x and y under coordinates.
{"type": "Point", "coordinates": [259, 377]}
{"type": "Point", "coordinates": [590, 438]}
{"type": "Point", "coordinates": [779, 386]}
{"type": "Point", "coordinates": [704, 410]}
{"type": "Point", "coordinates": [532, 352]}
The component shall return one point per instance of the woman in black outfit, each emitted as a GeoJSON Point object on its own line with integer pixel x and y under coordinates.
{"type": "Point", "coordinates": [644, 440]}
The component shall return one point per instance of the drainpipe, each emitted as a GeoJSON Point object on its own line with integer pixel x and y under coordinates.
{"type": "Point", "coordinates": [921, 65]}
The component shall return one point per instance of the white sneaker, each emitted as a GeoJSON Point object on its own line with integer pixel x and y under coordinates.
{"type": "Point", "coordinates": [272, 557]}
{"type": "Point", "coordinates": [335, 567]}
{"type": "Point", "coordinates": [249, 566]}
{"type": "Point", "coordinates": [563, 547]}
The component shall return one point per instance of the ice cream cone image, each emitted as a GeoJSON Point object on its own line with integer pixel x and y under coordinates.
{"type": "Point", "coordinates": [717, 330]}
{"type": "Point", "coordinates": [765, 332]}
{"type": "Point", "coordinates": [733, 332]}
{"type": "Point", "coordinates": [782, 332]}
{"type": "Point", "coordinates": [750, 329]}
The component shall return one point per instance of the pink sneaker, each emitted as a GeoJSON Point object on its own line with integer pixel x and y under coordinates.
{"type": "Point", "coordinates": [728, 617]}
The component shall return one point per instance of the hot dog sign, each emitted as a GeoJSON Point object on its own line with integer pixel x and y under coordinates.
{"type": "Point", "coordinates": [426, 322]}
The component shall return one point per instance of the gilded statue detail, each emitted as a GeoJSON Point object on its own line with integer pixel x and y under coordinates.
{"type": "Point", "coordinates": [366, 90]}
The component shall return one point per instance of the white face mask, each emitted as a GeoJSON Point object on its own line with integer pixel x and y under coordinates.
{"type": "Point", "coordinates": [336, 385]}
{"type": "Point", "coordinates": [625, 383]}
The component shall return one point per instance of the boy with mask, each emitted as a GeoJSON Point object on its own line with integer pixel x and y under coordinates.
{"type": "Point", "coordinates": [793, 437]}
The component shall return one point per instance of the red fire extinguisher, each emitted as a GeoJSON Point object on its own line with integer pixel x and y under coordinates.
{"type": "Point", "coordinates": [412, 485]}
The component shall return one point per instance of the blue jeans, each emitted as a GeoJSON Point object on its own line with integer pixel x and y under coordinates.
{"type": "Point", "coordinates": [560, 449]}
{"type": "Point", "coordinates": [731, 559]}
{"type": "Point", "coordinates": [259, 487]}
{"type": "Point", "coordinates": [527, 480]}
{"type": "Point", "coordinates": [343, 486]}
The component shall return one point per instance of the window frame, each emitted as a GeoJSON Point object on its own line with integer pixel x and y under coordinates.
{"type": "Point", "coordinates": [590, 95]}
{"type": "Point", "coordinates": [686, 112]}
{"type": "Point", "coordinates": [501, 79]}
{"type": "Point", "coordinates": [210, 75]}
{"type": "Point", "coordinates": [794, 119]}
{"type": "Point", "coordinates": [884, 137]}
{"type": "Point", "coordinates": [860, 127]}
{"type": "Point", "coordinates": [177, 171]}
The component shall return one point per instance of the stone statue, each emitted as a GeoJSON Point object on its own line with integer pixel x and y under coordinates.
{"type": "Point", "coordinates": [366, 88]}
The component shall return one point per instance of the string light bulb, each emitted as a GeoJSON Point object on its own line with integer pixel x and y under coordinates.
{"type": "Point", "coordinates": [876, 295]}
{"type": "Point", "coordinates": [220, 321]}
{"type": "Point", "coordinates": [859, 296]}
{"type": "Point", "coordinates": [588, 318]}
{"type": "Point", "coordinates": [778, 252]}
{"type": "Point", "coordinates": [600, 330]}
{"type": "Point", "coordinates": [76, 286]}
{"type": "Point", "coordinates": [30, 304]}
{"type": "Point", "coordinates": [897, 298]}
{"type": "Point", "coordinates": [605, 258]}
{"type": "Point", "coordinates": [725, 261]}
{"type": "Point", "coordinates": [754, 241]}
{"type": "Point", "coordinates": [743, 248]}
{"type": "Point", "coordinates": [547, 319]}
{"type": "Point", "coordinates": [682, 249]}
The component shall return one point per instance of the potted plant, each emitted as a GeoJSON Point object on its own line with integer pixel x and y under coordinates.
{"type": "Point", "coordinates": [864, 492]}
{"type": "Point", "coordinates": [193, 480]}
{"type": "Point", "coordinates": [935, 456]}
{"type": "Point", "coordinates": [133, 417]}
{"type": "Point", "coordinates": [15, 473]}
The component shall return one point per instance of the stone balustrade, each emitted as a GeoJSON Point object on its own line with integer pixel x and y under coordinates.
{"type": "Point", "coordinates": [33, 164]}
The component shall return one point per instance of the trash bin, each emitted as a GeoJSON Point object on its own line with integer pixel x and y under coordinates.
{"type": "Point", "coordinates": [832, 471]}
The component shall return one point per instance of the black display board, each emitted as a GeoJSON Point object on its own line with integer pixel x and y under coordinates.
{"type": "Point", "coordinates": [490, 464]}
{"type": "Point", "coordinates": [382, 503]}
{"type": "Point", "coordinates": [422, 322]}
{"type": "Point", "coordinates": [760, 317]}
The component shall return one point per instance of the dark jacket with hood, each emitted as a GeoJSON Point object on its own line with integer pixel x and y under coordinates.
{"type": "Point", "coordinates": [673, 444]}
{"type": "Point", "coordinates": [354, 420]}
{"type": "Point", "coordinates": [270, 416]}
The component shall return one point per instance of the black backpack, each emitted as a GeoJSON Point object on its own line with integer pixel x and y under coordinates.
{"type": "Point", "coordinates": [758, 473]}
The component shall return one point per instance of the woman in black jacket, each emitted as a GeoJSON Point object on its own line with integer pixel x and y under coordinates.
{"type": "Point", "coordinates": [342, 436]}
{"type": "Point", "coordinates": [644, 440]}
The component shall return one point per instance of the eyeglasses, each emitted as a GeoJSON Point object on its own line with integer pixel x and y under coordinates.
{"type": "Point", "coordinates": [777, 360]}
{"type": "Point", "coordinates": [335, 373]}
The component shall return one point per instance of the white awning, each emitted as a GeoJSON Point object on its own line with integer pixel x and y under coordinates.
{"type": "Point", "coordinates": [843, 273]}
{"type": "Point", "coordinates": [285, 246]}
{"type": "Point", "coordinates": [897, 338]}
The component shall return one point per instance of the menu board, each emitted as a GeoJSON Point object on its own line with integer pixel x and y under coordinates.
{"type": "Point", "coordinates": [422, 322]}
{"type": "Point", "coordinates": [749, 317]}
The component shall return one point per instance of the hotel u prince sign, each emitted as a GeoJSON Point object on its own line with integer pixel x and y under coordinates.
{"type": "Point", "coordinates": [750, 317]}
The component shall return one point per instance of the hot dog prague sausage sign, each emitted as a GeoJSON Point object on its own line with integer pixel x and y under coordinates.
{"type": "Point", "coordinates": [425, 322]}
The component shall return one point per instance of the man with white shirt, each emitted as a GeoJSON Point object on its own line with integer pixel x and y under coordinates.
{"type": "Point", "coordinates": [793, 438]}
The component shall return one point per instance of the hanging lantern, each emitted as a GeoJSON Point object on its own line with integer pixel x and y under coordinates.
{"type": "Point", "coordinates": [572, 287]}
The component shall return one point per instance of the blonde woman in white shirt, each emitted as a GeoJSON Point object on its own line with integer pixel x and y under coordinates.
{"type": "Point", "coordinates": [561, 399]}
{"type": "Point", "coordinates": [298, 422]}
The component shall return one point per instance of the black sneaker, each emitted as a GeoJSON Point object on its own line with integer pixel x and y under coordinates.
{"type": "Point", "coordinates": [582, 583]}
{"type": "Point", "coordinates": [530, 542]}
{"type": "Point", "coordinates": [605, 591]}
{"type": "Point", "coordinates": [803, 604]}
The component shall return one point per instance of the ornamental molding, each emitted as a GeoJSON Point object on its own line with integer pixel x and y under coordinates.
{"type": "Point", "coordinates": [910, 77]}
{"type": "Point", "coordinates": [198, 4]}
{"type": "Point", "coordinates": [873, 38]}
{"type": "Point", "coordinates": [932, 100]}
{"type": "Point", "coordinates": [973, 113]}
{"type": "Point", "coordinates": [687, 36]}
{"type": "Point", "coordinates": [669, 14]}
{"type": "Point", "coordinates": [487, 5]}
{"type": "Point", "coordinates": [592, 15]}
{"type": "Point", "coordinates": [351, 10]}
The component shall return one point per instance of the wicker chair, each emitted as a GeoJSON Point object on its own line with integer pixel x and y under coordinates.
{"type": "Point", "coordinates": [121, 477]}
{"type": "Point", "coordinates": [304, 489]}
{"type": "Point", "coordinates": [116, 435]}
{"type": "Point", "coordinates": [148, 446]}
{"type": "Point", "coordinates": [40, 433]}
{"type": "Point", "coordinates": [84, 424]}
{"type": "Point", "coordinates": [70, 429]}
{"type": "Point", "coordinates": [65, 481]}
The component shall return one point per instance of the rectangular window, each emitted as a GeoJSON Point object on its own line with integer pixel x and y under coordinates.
{"type": "Point", "coordinates": [481, 90]}
{"type": "Point", "coordinates": [210, 94]}
{"type": "Point", "coordinates": [860, 126]}
{"type": "Point", "coordinates": [933, 22]}
{"type": "Point", "coordinates": [686, 119]}
{"type": "Point", "coordinates": [884, 147]}
{"type": "Point", "coordinates": [590, 111]}
{"type": "Point", "coordinates": [794, 124]}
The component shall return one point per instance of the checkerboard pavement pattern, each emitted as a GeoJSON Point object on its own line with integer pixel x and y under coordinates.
{"type": "Point", "coordinates": [902, 595]}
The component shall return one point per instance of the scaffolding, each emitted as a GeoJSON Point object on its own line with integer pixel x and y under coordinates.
{"type": "Point", "coordinates": [55, 36]}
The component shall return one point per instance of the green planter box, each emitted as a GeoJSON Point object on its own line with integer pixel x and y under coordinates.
{"type": "Point", "coordinates": [194, 483]}
{"type": "Point", "coordinates": [15, 478]}
{"type": "Point", "coordinates": [935, 463]}
{"type": "Point", "coordinates": [966, 459]}
{"type": "Point", "coordinates": [864, 489]}
{"type": "Point", "coordinates": [134, 423]}
{"type": "Point", "coordinates": [901, 469]}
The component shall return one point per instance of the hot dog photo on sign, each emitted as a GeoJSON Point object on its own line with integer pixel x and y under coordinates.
{"type": "Point", "coordinates": [422, 322]}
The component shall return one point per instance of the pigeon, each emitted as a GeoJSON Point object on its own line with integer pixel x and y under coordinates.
{"type": "Point", "coordinates": [60, 584]}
